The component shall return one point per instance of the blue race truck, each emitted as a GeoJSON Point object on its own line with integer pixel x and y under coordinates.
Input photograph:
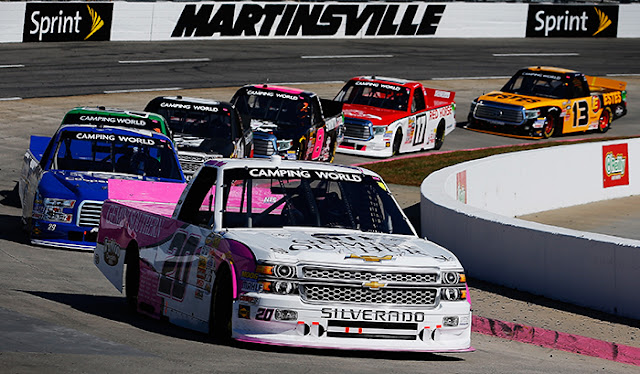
{"type": "Point", "coordinates": [64, 178]}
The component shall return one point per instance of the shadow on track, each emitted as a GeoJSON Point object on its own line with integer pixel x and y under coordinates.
{"type": "Point", "coordinates": [115, 309]}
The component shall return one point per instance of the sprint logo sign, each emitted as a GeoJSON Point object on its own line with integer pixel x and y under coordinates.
{"type": "Point", "coordinates": [64, 22]}
{"type": "Point", "coordinates": [579, 21]}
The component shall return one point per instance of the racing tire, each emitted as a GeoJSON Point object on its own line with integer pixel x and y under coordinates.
{"type": "Point", "coordinates": [397, 140]}
{"type": "Point", "coordinates": [549, 127]}
{"type": "Point", "coordinates": [604, 123]}
{"type": "Point", "coordinates": [439, 136]}
{"type": "Point", "coordinates": [220, 314]}
{"type": "Point", "coordinates": [132, 278]}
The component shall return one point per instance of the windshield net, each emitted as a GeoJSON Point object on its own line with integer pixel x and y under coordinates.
{"type": "Point", "coordinates": [105, 152]}
{"type": "Point", "coordinates": [379, 95]}
{"type": "Point", "coordinates": [313, 198]}
{"type": "Point", "coordinates": [199, 131]}
{"type": "Point", "coordinates": [282, 109]}
{"type": "Point", "coordinates": [537, 84]}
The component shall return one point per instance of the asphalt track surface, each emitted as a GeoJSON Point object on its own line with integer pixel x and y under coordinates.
{"type": "Point", "coordinates": [59, 314]}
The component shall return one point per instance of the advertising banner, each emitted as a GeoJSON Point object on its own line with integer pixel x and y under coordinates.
{"type": "Point", "coordinates": [579, 21]}
{"type": "Point", "coordinates": [615, 165]}
{"type": "Point", "coordinates": [63, 22]}
{"type": "Point", "coordinates": [294, 20]}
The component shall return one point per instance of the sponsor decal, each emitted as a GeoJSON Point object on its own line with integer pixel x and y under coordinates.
{"type": "Point", "coordinates": [111, 252]}
{"type": "Point", "coordinates": [64, 22]}
{"type": "Point", "coordinates": [135, 220]}
{"type": "Point", "coordinates": [244, 311]}
{"type": "Point", "coordinates": [354, 243]}
{"type": "Point", "coordinates": [572, 21]}
{"type": "Point", "coordinates": [306, 174]}
{"type": "Point", "coordinates": [292, 20]}
{"type": "Point", "coordinates": [516, 98]}
{"type": "Point", "coordinates": [615, 165]}
{"type": "Point", "coordinates": [198, 107]}
{"type": "Point", "coordinates": [461, 186]}
{"type": "Point", "coordinates": [113, 138]}
{"type": "Point", "coordinates": [378, 85]}
{"type": "Point", "coordinates": [612, 98]}
{"type": "Point", "coordinates": [370, 258]}
{"type": "Point", "coordinates": [372, 315]}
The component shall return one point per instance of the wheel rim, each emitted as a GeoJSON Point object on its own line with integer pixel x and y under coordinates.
{"type": "Point", "coordinates": [604, 120]}
{"type": "Point", "coordinates": [548, 127]}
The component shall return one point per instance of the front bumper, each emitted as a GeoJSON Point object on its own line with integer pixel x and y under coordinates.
{"type": "Point", "coordinates": [63, 235]}
{"type": "Point", "coordinates": [372, 148]}
{"type": "Point", "coordinates": [362, 327]}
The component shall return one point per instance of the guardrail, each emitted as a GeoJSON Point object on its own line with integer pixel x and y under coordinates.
{"type": "Point", "coordinates": [469, 208]}
{"type": "Point", "coordinates": [161, 21]}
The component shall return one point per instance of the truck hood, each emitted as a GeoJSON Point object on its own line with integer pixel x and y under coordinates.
{"type": "Point", "coordinates": [74, 184]}
{"type": "Point", "coordinates": [528, 102]}
{"type": "Point", "coordinates": [341, 246]}
{"type": "Point", "coordinates": [377, 116]}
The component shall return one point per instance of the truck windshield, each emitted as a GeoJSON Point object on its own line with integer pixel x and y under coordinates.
{"type": "Point", "coordinates": [124, 154]}
{"type": "Point", "coordinates": [199, 131]}
{"type": "Point", "coordinates": [541, 84]}
{"type": "Point", "coordinates": [311, 198]}
{"type": "Point", "coordinates": [379, 95]}
{"type": "Point", "coordinates": [281, 109]}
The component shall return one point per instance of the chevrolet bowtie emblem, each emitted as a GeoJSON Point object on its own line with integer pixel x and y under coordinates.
{"type": "Point", "coordinates": [374, 285]}
{"type": "Point", "coordinates": [371, 258]}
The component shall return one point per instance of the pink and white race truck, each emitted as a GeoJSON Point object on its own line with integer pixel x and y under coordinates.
{"type": "Point", "coordinates": [284, 252]}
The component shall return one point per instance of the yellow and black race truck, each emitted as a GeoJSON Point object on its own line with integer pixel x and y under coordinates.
{"type": "Point", "coordinates": [541, 102]}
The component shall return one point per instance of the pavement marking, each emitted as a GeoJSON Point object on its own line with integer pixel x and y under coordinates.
{"type": "Point", "coordinates": [10, 98]}
{"type": "Point", "coordinates": [623, 75]}
{"type": "Point", "coordinates": [144, 90]}
{"type": "Point", "coordinates": [557, 340]}
{"type": "Point", "coordinates": [171, 60]}
{"type": "Point", "coordinates": [11, 66]}
{"type": "Point", "coordinates": [534, 54]}
{"type": "Point", "coordinates": [346, 56]}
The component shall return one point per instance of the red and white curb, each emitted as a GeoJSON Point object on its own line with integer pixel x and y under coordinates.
{"type": "Point", "coordinates": [557, 340]}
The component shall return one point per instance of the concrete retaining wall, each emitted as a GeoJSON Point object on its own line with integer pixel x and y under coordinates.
{"type": "Point", "coordinates": [470, 208]}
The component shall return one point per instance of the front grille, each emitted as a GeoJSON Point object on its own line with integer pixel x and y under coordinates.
{"type": "Point", "coordinates": [263, 147]}
{"type": "Point", "coordinates": [358, 129]}
{"type": "Point", "coordinates": [361, 295]}
{"type": "Point", "coordinates": [89, 213]}
{"type": "Point", "coordinates": [363, 275]}
{"type": "Point", "coordinates": [189, 167]}
{"type": "Point", "coordinates": [491, 111]}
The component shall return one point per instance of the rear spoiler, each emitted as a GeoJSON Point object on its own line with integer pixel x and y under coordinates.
{"type": "Point", "coordinates": [157, 197]}
{"type": "Point", "coordinates": [331, 108]}
{"type": "Point", "coordinates": [438, 98]}
{"type": "Point", "coordinates": [611, 84]}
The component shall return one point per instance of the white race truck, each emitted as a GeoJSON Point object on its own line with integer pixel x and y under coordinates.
{"type": "Point", "coordinates": [284, 252]}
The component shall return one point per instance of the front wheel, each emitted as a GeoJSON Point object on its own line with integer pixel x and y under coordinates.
{"type": "Point", "coordinates": [605, 120]}
{"type": "Point", "coordinates": [397, 140]}
{"type": "Point", "coordinates": [220, 316]}
{"type": "Point", "coordinates": [549, 126]}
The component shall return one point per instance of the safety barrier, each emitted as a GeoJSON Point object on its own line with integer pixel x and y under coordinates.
{"type": "Point", "coordinates": [51, 21]}
{"type": "Point", "coordinates": [470, 208]}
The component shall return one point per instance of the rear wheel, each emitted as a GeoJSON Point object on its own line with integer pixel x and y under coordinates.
{"type": "Point", "coordinates": [132, 277]}
{"type": "Point", "coordinates": [605, 120]}
{"type": "Point", "coordinates": [221, 306]}
{"type": "Point", "coordinates": [439, 136]}
{"type": "Point", "coordinates": [549, 126]}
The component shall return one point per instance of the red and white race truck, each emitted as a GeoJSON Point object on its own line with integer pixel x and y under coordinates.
{"type": "Point", "coordinates": [388, 116]}
{"type": "Point", "coordinates": [284, 252]}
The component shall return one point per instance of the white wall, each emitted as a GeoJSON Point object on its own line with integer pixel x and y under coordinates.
{"type": "Point", "coordinates": [592, 270]}
{"type": "Point", "coordinates": [150, 21]}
